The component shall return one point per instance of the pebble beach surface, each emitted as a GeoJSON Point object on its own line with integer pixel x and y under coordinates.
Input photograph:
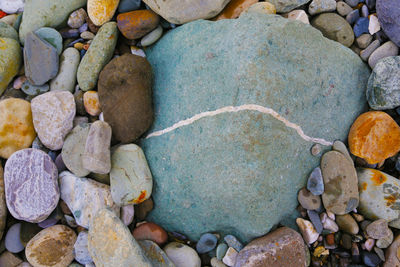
{"type": "Point", "coordinates": [216, 133]}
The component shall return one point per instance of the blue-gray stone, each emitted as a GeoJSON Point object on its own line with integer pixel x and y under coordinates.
{"type": "Point", "coordinates": [233, 242]}
{"type": "Point", "coordinates": [315, 183]}
{"type": "Point", "coordinates": [128, 5]}
{"type": "Point", "coordinates": [352, 3]}
{"type": "Point", "coordinates": [316, 221]}
{"type": "Point", "coordinates": [206, 243]}
{"type": "Point", "coordinates": [383, 90]}
{"type": "Point", "coordinates": [353, 16]}
{"type": "Point", "coordinates": [221, 250]}
{"type": "Point", "coordinates": [13, 239]}
{"type": "Point", "coordinates": [242, 170]}
{"type": "Point", "coordinates": [51, 36]}
{"type": "Point", "coordinates": [364, 11]}
{"type": "Point", "coordinates": [370, 259]}
{"type": "Point", "coordinates": [283, 6]}
{"type": "Point", "coordinates": [361, 26]}
{"type": "Point", "coordinates": [388, 12]}
{"type": "Point", "coordinates": [34, 90]}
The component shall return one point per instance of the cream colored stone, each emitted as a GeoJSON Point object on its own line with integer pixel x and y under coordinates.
{"type": "Point", "coordinates": [299, 15]}
{"type": "Point", "coordinates": [307, 230]}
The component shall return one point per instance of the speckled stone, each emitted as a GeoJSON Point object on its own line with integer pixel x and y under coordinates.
{"type": "Point", "coordinates": [85, 197]}
{"type": "Point", "coordinates": [81, 251]}
{"type": "Point", "coordinates": [320, 6]}
{"type": "Point", "coordinates": [341, 184]}
{"type": "Point", "coordinates": [53, 114]}
{"type": "Point", "coordinates": [3, 206]}
{"type": "Point", "coordinates": [307, 200]}
{"type": "Point", "coordinates": [7, 31]}
{"type": "Point", "coordinates": [10, 61]}
{"type": "Point", "coordinates": [111, 244]}
{"type": "Point", "coordinates": [315, 183]}
{"type": "Point", "coordinates": [31, 186]}
{"type": "Point", "coordinates": [155, 254]}
{"type": "Point", "coordinates": [130, 177]}
{"type": "Point", "coordinates": [388, 13]}
{"type": "Point", "coordinates": [282, 247]}
{"type": "Point", "coordinates": [52, 246]}
{"type": "Point", "coordinates": [101, 11]}
{"type": "Point", "coordinates": [77, 18]}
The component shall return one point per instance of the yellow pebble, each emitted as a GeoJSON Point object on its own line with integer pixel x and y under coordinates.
{"type": "Point", "coordinates": [78, 46]}
{"type": "Point", "coordinates": [262, 8]}
{"type": "Point", "coordinates": [91, 103]}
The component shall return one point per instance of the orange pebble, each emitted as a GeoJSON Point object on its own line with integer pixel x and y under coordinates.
{"type": "Point", "coordinates": [136, 24]}
{"type": "Point", "coordinates": [374, 136]}
{"type": "Point", "coordinates": [91, 103]}
{"type": "Point", "coordinates": [330, 239]}
{"type": "Point", "coordinates": [86, 46]}
{"type": "Point", "coordinates": [150, 231]}
{"type": "Point", "coordinates": [235, 8]}
{"type": "Point", "coordinates": [2, 14]}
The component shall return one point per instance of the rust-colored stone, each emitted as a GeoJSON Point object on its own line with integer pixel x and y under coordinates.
{"type": "Point", "coordinates": [374, 136]}
{"type": "Point", "coordinates": [136, 24]}
{"type": "Point", "coordinates": [234, 9]}
{"type": "Point", "coordinates": [150, 231]}
{"type": "Point", "coordinates": [91, 103]}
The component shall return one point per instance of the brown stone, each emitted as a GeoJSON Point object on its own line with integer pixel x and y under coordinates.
{"type": "Point", "coordinates": [136, 24]}
{"type": "Point", "coordinates": [125, 96]}
{"type": "Point", "coordinates": [8, 259]}
{"type": "Point", "coordinates": [150, 231]}
{"type": "Point", "coordinates": [392, 254]}
{"type": "Point", "coordinates": [235, 8]}
{"type": "Point", "coordinates": [282, 247]}
{"type": "Point", "coordinates": [143, 209]}
{"type": "Point", "coordinates": [53, 246]}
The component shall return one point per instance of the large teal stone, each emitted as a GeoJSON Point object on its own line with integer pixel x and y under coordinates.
{"type": "Point", "coordinates": [239, 172]}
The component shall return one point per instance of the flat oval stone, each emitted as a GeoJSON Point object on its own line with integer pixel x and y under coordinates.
{"type": "Point", "coordinates": [335, 28]}
{"type": "Point", "coordinates": [16, 126]}
{"type": "Point", "coordinates": [53, 246]}
{"type": "Point", "coordinates": [374, 136]}
{"type": "Point", "coordinates": [182, 255]}
{"type": "Point", "coordinates": [151, 37]}
{"type": "Point", "coordinates": [206, 243]}
{"type": "Point", "coordinates": [383, 91]}
{"type": "Point", "coordinates": [341, 184]}
{"type": "Point", "coordinates": [127, 214]}
{"type": "Point", "coordinates": [51, 36]}
{"type": "Point", "coordinates": [96, 156]}
{"type": "Point", "coordinates": [81, 251]}
{"type": "Point", "coordinates": [31, 185]}
{"type": "Point", "coordinates": [125, 96]}
{"type": "Point", "coordinates": [91, 103]}
{"type": "Point", "coordinates": [155, 254]}
{"type": "Point", "coordinates": [138, 23]}
{"type": "Point", "coordinates": [53, 114]}
{"type": "Point", "coordinates": [10, 61]}
{"type": "Point", "coordinates": [66, 77]}
{"type": "Point", "coordinates": [388, 49]}
{"type": "Point", "coordinates": [77, 18]}
{"type": "Point", "coordinates": [111, 244]}
{"type": "Point", "coordinates": [101, 11]}
{"type": "Point", "coordinates": [3, 206]}
{"type": "Point", "coordinates": [73, 149]}
{"type": "Point", "coordinates": [321, 6]}
{"type": "Point", "coordinates": [379, 195]}
{"type": "Point", "coordinates": [85, 197]}
{"type": "Point", "coordinates": [100, 52]}
{"type": "Point", "coordinates": [130, 177]}
{"type": "Point", "coordinates": [12, 240]}
{"type": "Point", "coordinates": [347, 224]}
{"type": "Point", "coordinates": [150, 231]}
{"type": "Point", "coordinates": [282, 247]}
{"type": "Point", "coordinates": [34, 90]}
{"type": "Point", "coordinates": [221, 250]}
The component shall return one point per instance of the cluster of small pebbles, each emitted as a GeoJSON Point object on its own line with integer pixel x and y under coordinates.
{"type": "Point", "coordinates": [76, 97]}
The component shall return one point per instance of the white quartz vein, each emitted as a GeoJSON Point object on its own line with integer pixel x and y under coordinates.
{"type": "Point", "coordinates": [252, 107]}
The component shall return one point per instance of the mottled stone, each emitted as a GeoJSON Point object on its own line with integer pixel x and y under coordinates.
{"type": "Point", "coordinates": [307, 230]}
{"type": "Point", "coordinates": [31, 186]}
{"type": "Point", "coordinates": [100, 51]}
{"type": "Point", "coordinates": [374, 136]}
{"type": "Point", "coordinates": [221, 152]}
{"type": "Point", "coordinates": [85, 197]}
{"type": "Point", "coordinates": [73, 149]}
{"type": "Point", "coordinates": [347, 224]}
{"type": "Point", "coordinates": [383, 91]}
{"type": "Point", "coordinates": [388, 12]}
{"type": "Point", "coordinates": [16, 126]}
{"type": "Point", "coordinates": [81, 251]}
{"type": "Point", "coordinates": [315, 183]}
{"type": "Point", "coordinates": [341, 184]}
{"type": "Point", "coordinates": [96, 156]}
{"type": "Point", "coordinates": [150, 231]}
{"type": "Point", "coordinates": [392, 254]}
{"type": "Point", "coordinates": [386, 50]}
{"type": "Point", "coordinates": [7, 31]}
{"type": "Point", "coordinates": [53, 115]}
{"type": "Point", "coordinates": [111, 244]}
{"type": "Point", "coordinates": [40, 60]}
{"type": "Point", "coordinates": [126, 97]}
{"type": "Point", "coordinates": [308, 200]}
{"type": "Point", "coordinates": [101, 11]}
{"type": "Point", "coordinates": [282, 247]}
{"type": "Point", "coordinates": [91, 103]}
{"type": "Point", "coordinates": [34, 90]}
{"type": "Point", "coordinates": [138, 23]}
{"type": "Point", "coordinates": [385, 242]}
{"type": "Point", "coordinates": [66, 77]}
{"type": "Point", "coordinates": [343, 9]}
{"type": "Point", "coordinates": [379, 195]}
{"type": "Point", "coordinates": [182, 255]}
{"type": "Point", "coordinates": [10, 61]}
{"type": "Point", "coordinates": [321, 6]}
{"type": "Point", "coordinates": [130, 177]}
{"type": "Point", "coordinates": [262, 8]}
{"type": "Point", "coordinates": [52, 246]}
{"type": "Point", "coordinates": [3, 206]}
{"type": "Point", "coordinates": [46, 13]}
{"type": "Point", "coordinates": [77, 18]}
{"type": "Point", "coordinates": [233, 242]}
{"type": "Point", "coordinates": [179, 12]}
{"type": "Point", "coordinates": [378, 229]}
{"type": "Point", "coordinates": [335, 28]}
{"type": "Point", "coordinates": [155, 254]}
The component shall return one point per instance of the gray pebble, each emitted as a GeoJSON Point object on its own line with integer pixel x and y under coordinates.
{"type": "Point", "coordinates": [386, 50]}
{"type": "Point", "coordinates": [315, 183]}
{"type": "Point", "coordinates": [343, 9]}
{"type": "Point", "coordinates": [366, 53]}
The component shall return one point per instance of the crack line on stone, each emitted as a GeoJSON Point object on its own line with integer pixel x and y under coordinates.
{"type": "Point", "coordinates": [230, 109]}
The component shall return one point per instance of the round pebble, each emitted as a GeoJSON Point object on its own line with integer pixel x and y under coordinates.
{"type": "Point", "coordinates": [81, 248]}
{"type": "Point", "coordinates": [182, 255]}
{"type": "Point", "coordinates": [150, 231]}
{"type": "Point", "coordinates": [308, 200]}
{"type": "Point", "coordinates": [206, 243]}
{"type": "Point", "coordinates": [34, 90]}
{"type": "Point", "coordinates": [12, 240]}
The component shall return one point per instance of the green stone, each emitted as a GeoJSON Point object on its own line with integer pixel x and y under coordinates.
{"type": "Point", "coordinates": [51, 36]}
{"type": "Point", "coordinates": [98, 55]}
{"type": "Point", "coordinates": [46, 13]}
{"type": "Point", "coordinates": [7, 31]}
{"type": "Point", "coordinates": [10, 61]}
{"type": "Point", "coordinates": [239, 172]}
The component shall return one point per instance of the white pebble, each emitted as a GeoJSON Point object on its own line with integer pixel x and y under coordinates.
{"type": "Point", "coordinates": [127, 214]}
{"type": "Point", "coordinates": [374, 25]}
{"type": "Point", "coordinates": [299, 15]}
{"type": "Point", "coordinates": [230, 256]}
{"type": "Point", "coordinates": [152, 37]}
{"type": "Point", "coordinates": [137, 51]}
{"type": "Point", "coordinates": [307, 230]}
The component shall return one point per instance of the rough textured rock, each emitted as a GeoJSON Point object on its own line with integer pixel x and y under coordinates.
{"type": "Point", "coordinates": [180, 12]}
{"type": "Point", "coordinates": [388, 14]}
{"type": "Point", "coordinates": [130, 177]}
{"type": "Point", "coordinates": [16, 126]}
{"type": "Point", "coordinates": [101, 11]}
{"type": "Point", "coordinates": [155, 254]}
{"type": "Point", "coordinates": [10, 61]}
{"type": "Point", "coordinates": [383, 91]}
{"type": "Point", "coordinates": [138, 23]}
{"type": "Point", "coordinates": [85, 197]}
{"type": "Point", "coordinates": [53, 114]}
{"type": "Point", "coordinates": [126, 97]}
{"type": "Point", "coordinates": [46, 13]}
{"type": "Point", "coordinates": [53, 246]}
{"type": "Point", "coordinates": [31, 185]}
{"type": "Point", "coordinates": [240, 157]}
{"type": "Point", "coordinates": [111, 244]}
{"type": "Point", "coordinates": [391, 255]}
{"type": "Point", "coordinates": [100, 51]}
{"type": "Point", "coordinates": [282, 247]}
{"type": "Point", "coordinates": [335, 28]}
{"type": "Point", "coordinates": [283, 6]}
{"type": "Point", "coordinates": [3, 206]}
{"type": "Point", "coordinates": [66, 77]}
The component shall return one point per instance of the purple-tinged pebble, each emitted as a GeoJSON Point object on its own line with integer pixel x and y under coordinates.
{"type": "Point", "coordinates": [70, 33]}
{"type": "Point", "coordinates": [353, 16]}
{"type": "Point", "coordinates": [52, 155]}
{"type": "Point", "coordinates": [71, 44]}
{"type": "Point", "coordinates": [13, 240]}
{"type": "Point", "coordinates": [54, 217]}
{"type": "Point", "coordinates": [83, 28]}
{"type": "Point", "coordinates": [370, 259]}
{"type": "Point", "coordinates": [233, 242]}
{"type": "Point", "coordinates": [60, 163]}
{"type": "Point", "coordinates": [206, 243]}
{"type": "Point", "coordinates": [364, 11]}
{"type": "Point", "coordinates": [388, 12]}
{"type": "Point", "coordinates": [31, 185]}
